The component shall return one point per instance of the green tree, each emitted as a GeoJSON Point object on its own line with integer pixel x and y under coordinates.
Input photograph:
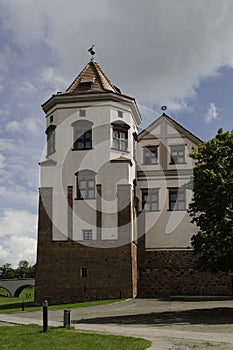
{"type": "Point", "coordinates": [23, 269]}
{"type": "Point", "coordinates": [7, 272]}
{"type": "Point", "coordinates": [212, 205]}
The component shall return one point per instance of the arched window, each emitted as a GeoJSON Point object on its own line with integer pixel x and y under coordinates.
{"type": "Point", "coordinates": [82, 135]}
{"type": "Point", "coordinates": [50, 132]}
{"type": "Point", "coordinates": [120, 135]}
{"type": "Point", "coordinates": [85, 184]}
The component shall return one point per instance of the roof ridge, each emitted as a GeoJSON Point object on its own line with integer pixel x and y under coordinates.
{"type": "Point", "coordinates": [103, 76]}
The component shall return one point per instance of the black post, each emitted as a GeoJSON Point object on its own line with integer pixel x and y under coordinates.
{"type": "Point", "coordinates": [66, 318]}
{"type": "Point", "coordinates": [45, 316]}
{"type": "Point", "coordinates": [22, 305]}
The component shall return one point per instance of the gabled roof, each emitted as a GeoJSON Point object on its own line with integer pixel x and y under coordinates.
{"type": "Point", "coordinates": [91, 80]}
{"type": "Point", "coordinates": [149, 130]}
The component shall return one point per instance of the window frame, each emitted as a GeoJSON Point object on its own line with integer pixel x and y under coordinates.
{"type": "Point", "coordinates": [147, 206]}
{"type": "Point", "coordinates": [51, 140]}
{"type": "Point", "coordinates": [83, 272]}
{"type": "Point", "coordinates": [147, 160]}
{"type": "Point", "coordinates": [120, 129]}
{"type": "Point", "coordinates": [83, 192]}
{"type": "Point", "coordinates": [82, 135]}
{"type": "Point", "coordinates": [175, 158]}
{"type": "Point", "coordinates": [87, 235]}
{"type": "Point", "coordinates": [178, 204]}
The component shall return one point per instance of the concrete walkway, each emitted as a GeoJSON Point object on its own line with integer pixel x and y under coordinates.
{"type": "Point", "coordinates": [161, 321]}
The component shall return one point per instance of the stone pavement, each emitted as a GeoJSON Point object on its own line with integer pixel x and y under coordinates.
{"type": "Point", "coordinates": [162, 321]}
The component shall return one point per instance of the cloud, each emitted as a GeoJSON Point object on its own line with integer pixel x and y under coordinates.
{"type": "Point", "coordinates": [2, 162]}
{"type": "Point", "coordinates": [18, 248]}
{"type": "Point", "coordinates": [30, 125]}
{"type": "Point", "coordinates": [18, 236]}
{"type": "Point", "coordinates": [18, 195]}
{"type": "Point", "coordinates": [21, 248]}
{"type": "Point", "coordinates": [160, 61]}
{"type": "Point", "coordinates": [212, 113]}
{"type": "Point", "coordinates": [13, 126]}
{"type": "Point", "coordinates": [17, 222]}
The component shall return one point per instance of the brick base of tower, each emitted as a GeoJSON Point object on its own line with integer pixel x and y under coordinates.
{"type": "Point", "coordinates": [58, 278]}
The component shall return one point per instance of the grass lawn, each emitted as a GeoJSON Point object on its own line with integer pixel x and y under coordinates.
{"type": "Point", "coordinates": [11, 305]}
{"type": "Point", "coordinates": [31, 337]}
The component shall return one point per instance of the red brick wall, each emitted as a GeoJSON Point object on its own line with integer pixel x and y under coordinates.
{"type": "Point", "coordinates": [164, 273]}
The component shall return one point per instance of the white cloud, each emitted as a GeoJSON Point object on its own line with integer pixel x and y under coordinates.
{"type": "Point", "coordinates": [50, 76]}
{"type": "Point", "coordinates": [2, 161]}
{"type": "Point", "coordinates": [7, 145]}
{"type": "Point", "coordinates": [31, 125]}
{"type": "Point", "coordinates": [212, 113]}
{"type": "Point", "coordinates": [17, 222]}
{"type": "Point", "coordinates": [18, 236]}
{"type": "Point", "coordinates": [18, 248]}
{"type": "Point", "coordinates": [18, 195]}
{"type": "Point", "coordinates": [164, 59]}
{"type": "Point", "coordinates": [13, 126]}
{"type": "Point", "coordinates": [21, 248]}
{"type": "Point", "coordinates": [3, 255]}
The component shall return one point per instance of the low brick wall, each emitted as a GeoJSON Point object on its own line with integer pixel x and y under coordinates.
{"type": "Point", "coordinates": [164, 273]}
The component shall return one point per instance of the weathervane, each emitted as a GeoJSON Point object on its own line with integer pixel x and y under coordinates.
{"type": "Point", "coordinates": [92, 52]}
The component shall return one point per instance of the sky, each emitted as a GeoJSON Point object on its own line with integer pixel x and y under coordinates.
{"type": "Point", "coordinates": [177, 53]}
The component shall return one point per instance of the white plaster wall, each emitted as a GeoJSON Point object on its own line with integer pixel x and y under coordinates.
{"type": "Point", "coordinates": [68, 162]}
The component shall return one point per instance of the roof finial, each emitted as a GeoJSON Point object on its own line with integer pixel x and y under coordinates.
{"type": "Point", "coordinates": [92, 52]}
{"type": "Point", "coordinates": [164, 108]}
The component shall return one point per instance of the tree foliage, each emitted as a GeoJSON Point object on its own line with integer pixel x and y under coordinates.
{"type": "Point", "coordinates": [212, 205]}
{"type": "Point", "coordinates": [24, 270]}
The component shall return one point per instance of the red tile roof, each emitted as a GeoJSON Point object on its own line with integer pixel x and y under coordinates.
{"type": "Point", "coordinates": [91, 80]}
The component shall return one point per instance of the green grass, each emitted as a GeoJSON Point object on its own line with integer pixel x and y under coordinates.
{"type": "Point", "coordinates": [27, 294]}
{"type": "Point", "coordinates": [31, 337]}
{"type": "Point", "coordinates": [12, 305]}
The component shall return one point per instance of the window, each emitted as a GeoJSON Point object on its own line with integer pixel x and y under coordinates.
{"type": "Point", "coordinates": [87, 235]}
{"type": "Point", "coordinates": [82, 135]}
{"type": "Point", "coordinates": [85, 184]}
{"type": "Point", "coordinates": [177, 199]}
{"type": "Point", "coordinates": [51, 119]}
{"type": "Point", "coordinates": [82, 113]}
{"type": "Point", "coordinates": [150, 155]}
{"type": "Point", "coordinates": [83, 272]}
{"type": "Point", "coordinates": [178, 154]}
{"type": "Point", "coordinates": [150, 199]}
{"type": "Point", "coordinates": [85, 84]}
{"type": "Point", "coordinates": [120, 114]}
{"type": "Point", "coordinates": [135, 139]}
{"type": "Point", "coordinates": [50, 132]}
{"type": "Point", "coordinates": [120, 136]}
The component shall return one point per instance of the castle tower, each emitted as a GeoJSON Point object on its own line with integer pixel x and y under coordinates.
{"type": "Point", "coordinates": [87, 228]}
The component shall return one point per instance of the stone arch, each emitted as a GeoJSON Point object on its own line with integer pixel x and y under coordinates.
{"type": "Point", "coordinates": [21, 288]}
{"type": "Point", "coordinates": [6, 290]}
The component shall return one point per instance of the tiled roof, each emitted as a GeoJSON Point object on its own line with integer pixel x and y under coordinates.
{"type": "Point", "coordinates": [91, 79]}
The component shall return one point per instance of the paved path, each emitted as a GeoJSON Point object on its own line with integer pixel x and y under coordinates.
{"type": "Point", "coordinates": [161, 321]}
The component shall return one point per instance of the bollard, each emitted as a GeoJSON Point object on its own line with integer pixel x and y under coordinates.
{"type": "Point", "coordinates": [66, 318]}
{"type": "Point", "coordinates": [22, 305]}
{"type": "Point", "coordinates": [45, 316]}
